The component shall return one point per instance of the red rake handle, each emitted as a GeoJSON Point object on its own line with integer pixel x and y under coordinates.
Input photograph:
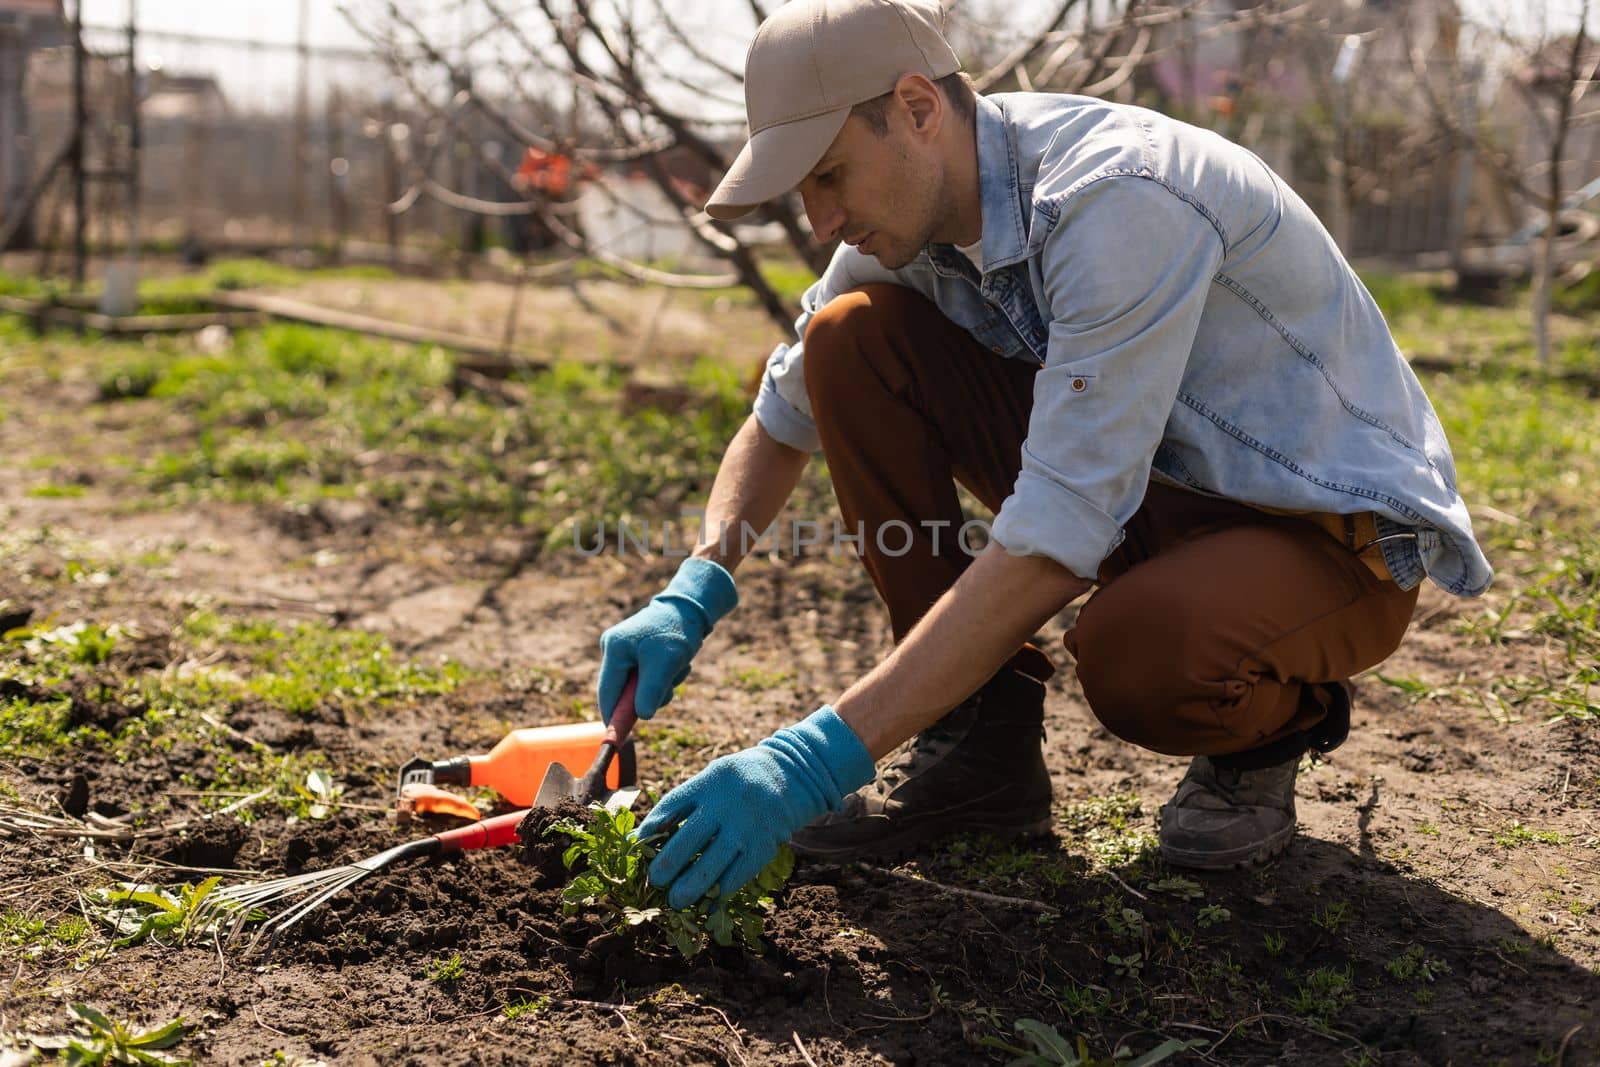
{"type": "Point", "coordinates": [623, 716]}
{"type": "Point", "coordinates": [486, 833]}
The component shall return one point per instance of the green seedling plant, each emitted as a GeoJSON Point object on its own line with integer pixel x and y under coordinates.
{"type": "Point", "coordinates": [1048, 1048]}
{"type": "Point", "coordinates": [136, 912]}
{"type": "Point", "coordinates": [108, 1041]}
{"type": "Point", "coordinates": [448, 970]}
{"type": "Point", "coordinates": [614, 879]}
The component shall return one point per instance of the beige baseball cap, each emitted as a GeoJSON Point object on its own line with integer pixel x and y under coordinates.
{"type": "Point", "coordinates": [811, 62]}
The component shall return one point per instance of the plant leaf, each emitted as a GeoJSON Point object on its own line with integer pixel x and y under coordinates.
{"type": "Point", "coordinates": [96, 1019]}
{"type": "Point", "coordinates": [320, 784]}
{"type": "Point", "coordinates": [161, 1037]}
{"type": "Point", "coordinates": [720, 926]}
{"type": "Point", "coordinates": [1047, 1040]}
{"type": "Point", "coordinates": [1166, 1049]}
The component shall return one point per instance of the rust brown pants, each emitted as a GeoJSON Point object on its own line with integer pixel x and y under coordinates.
{"type": "Point", "coordinates": [1207, 622]}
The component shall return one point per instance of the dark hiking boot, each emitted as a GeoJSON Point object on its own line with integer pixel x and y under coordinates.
{"type": "Point", "coordinates": [1222, 817]}
{"type": "Point", "coordinates": [980, 768]}
{"type": "Point", "coordinates": [1238, 810]}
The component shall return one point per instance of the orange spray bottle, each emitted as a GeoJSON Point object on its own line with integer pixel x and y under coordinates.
{"type": "Point", "coordinates": [515, 766]}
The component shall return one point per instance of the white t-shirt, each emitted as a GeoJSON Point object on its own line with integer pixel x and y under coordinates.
{"type": "Point", "coordinates": [974, 252]}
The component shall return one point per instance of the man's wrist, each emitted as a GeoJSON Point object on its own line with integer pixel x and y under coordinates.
{"type": "Point", "coordinates": [706, 584]}
{"type": "Point", "coordinates": [835, 760]}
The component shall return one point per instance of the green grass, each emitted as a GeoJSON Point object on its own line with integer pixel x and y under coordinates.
{"type": "Point", "coordinates": [525, 1008]}
{"type": "Point", "coordinates": [1323, 993]}
{"type": "Point", "coordinates": [1428, 321]}
{"type": "Point", "coordinates": [174, 294]}
{"type": "Point", "coordinates": [447, 971]}
{"type": "Point", "coordinates": [296, 413]}
{"type": "Point", "coordinates": [52, 491]}
{"type": "Point", "coordinates": [72, 688]}
{"type": "Point", "coordinates": [41, 935]}
{"type": "Point", "coordinates": [1527, 451]}
{"type": "Point", "coordinates": [300, 668]}
{"type": "Point", "coordinates": [1110, 831]}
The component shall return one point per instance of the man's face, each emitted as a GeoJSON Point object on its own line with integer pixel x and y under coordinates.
{"type": "Point", "coordinates": [881, 194]}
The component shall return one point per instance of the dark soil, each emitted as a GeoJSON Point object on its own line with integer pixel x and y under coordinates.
{"type": "Point", "coordinates": [543, 850]}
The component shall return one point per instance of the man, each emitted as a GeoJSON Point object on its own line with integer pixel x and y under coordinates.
{"type": "Point", "coordinates": [1139, 347]}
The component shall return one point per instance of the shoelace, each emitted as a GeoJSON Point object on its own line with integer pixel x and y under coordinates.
{"type": "Point", "coordinates": [926, 747]}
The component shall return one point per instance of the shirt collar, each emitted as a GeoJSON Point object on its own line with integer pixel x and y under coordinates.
{"type": "Point", "coordinates": [1004, 236]}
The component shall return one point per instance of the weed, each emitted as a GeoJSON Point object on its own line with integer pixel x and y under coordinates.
{"type": "Point", "coordinates": [1332, 916]}
{"type": "Point", "coordinates": [984, 857]}
{"type": "Point", "coordinates": [447, 971]}
{"type": "Point", "coordinates": [616, 881]}
{"type": "Point", "coordinates": [1517, 835]}
{"type": "Point", "coordinates": [1324, 993]}
{"type": "Point", "coordinates": [135, 912]}
{"type": "Point", "coordinates": [1428, 828]}
{"type": "Point", "coordinates": [1048, 1048]}
{"type": "Point", "coordinates": [1105, 828]}
{"type": "Point", "coordinates": [37, 936]}
{"type": "Point", "coordinates": [1273, 943]}
{"type": "Point", "coordinates": [525, 1008]}
{"type": "Point", "coordinates": [280, 1058]}
{"type": "Point", "coordinates": [1083, 1000]}
{"type": "Point", "coordinates": [1416, 964]}
{"type": "Point", "coordinates": [761, 679]}
{"type": "Point", "coordinates": [1415, 690]}
{"type": "Point", "coordinates": [35, 727]}
{"type": "Point", "coordinates": [674, 745]}
{"type": "Point", "coordinates": [1127, 966]}
{"type": "Point", "coordinates": [1212, 915]}
{"type": "Point", "coordinates": [1180, 887]}
{"type": "Point", "coordinates": [311, 665]}
{"type": "Point", "coordinates": [52, 491]}
{"type": "Point", "coordinates": [77, 643]}
{"type": "Point", "coordinates": [102, 1040]}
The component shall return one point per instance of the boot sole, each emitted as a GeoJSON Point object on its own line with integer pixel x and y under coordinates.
{"type": "Point", "coordinates": [1237, 859]}
{"type": "Point", "coordinates": [913, 838]}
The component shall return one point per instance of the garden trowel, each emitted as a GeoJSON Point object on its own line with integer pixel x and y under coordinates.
{"type": "Point", "coordinates": [558, 783]}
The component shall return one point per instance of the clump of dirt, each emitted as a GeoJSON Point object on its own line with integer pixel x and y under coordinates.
{"type": "Point", "coordinates": [213, 844]}
{"type": "Point", "coordinates": [543, 850]}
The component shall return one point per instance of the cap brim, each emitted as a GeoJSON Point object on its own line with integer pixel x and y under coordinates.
{"type": "Point", "coordinates": [773, 162]}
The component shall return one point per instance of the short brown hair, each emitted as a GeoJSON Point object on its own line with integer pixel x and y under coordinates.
{"type": "Point", "coordinates": [957, 88]}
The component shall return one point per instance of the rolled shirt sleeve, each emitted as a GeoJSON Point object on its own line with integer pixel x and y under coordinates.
{"type": "Point", "coordinates": [1127, 271]}
{"type": "Point", "coordinates": [782, 407]}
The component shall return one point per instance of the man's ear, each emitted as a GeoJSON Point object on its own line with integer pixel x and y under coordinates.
{"type": "Point", "coordinates": [922, 102]}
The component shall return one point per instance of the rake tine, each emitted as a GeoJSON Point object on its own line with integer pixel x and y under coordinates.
{"type": "Point", "coordinates": [278, 925]}
{"type": "Point", "coordinates": [240, 900]}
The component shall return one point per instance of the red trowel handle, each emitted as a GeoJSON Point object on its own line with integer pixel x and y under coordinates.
{"type": "Point", "coordinates": [623, 716]}
{"type": "Point", "coordinates": [485, 833]}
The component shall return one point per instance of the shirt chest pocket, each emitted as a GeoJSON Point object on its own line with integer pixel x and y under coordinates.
{"type": "Point", "coordinates": [994, 332]}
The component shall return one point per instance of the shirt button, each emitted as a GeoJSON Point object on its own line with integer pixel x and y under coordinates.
{"type": "Point", "coordinates": [996, 349]}
{"type": "Point", "coordinates": [1079, 385]}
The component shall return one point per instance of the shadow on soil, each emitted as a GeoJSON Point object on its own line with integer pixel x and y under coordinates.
{"type": "Point", "coordinates": [1328, 957]}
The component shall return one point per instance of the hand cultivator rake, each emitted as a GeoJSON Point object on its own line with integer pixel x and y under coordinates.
{"type": "Point", "coordinates": [313, 889]}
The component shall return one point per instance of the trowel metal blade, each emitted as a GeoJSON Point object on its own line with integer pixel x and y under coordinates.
{"type": "Point", "coordinates": [621, 798]}
{"type": "Point", "coordinates": [558, 785]}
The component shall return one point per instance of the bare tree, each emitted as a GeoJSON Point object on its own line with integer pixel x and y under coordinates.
{"type": "Point", "coordinates": [1550, 68]}
{"type": "Point", "coordinates": [651, 86]}
{"type": "Point", "coordinates": [630, 82]}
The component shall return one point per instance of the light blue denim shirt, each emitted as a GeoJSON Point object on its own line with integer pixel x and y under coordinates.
{"type": "Point", "coordinates": [1193, 321]}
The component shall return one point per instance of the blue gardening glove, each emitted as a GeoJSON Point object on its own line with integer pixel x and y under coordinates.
{"type": "Point", "coordinates": [736, 812]}
{"type": "Point", "coordinates": [663, 637]}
